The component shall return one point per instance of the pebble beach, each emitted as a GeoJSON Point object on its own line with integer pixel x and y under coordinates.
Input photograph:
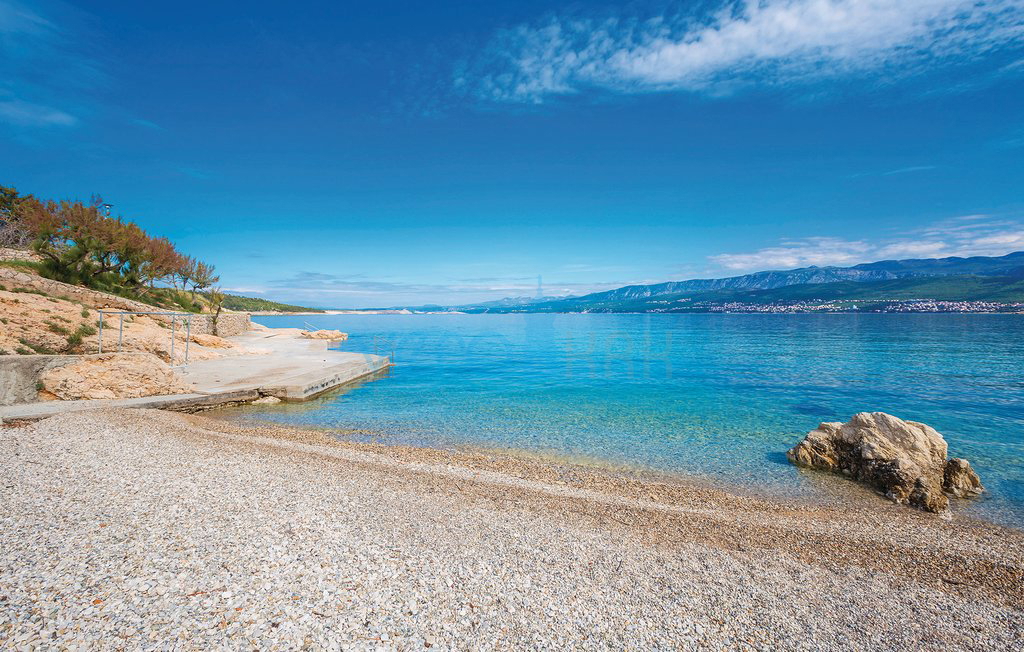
{"type": "Point", "coordinates": [140, 529]}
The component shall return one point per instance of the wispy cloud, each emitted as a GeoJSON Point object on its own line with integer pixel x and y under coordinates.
{"type": "Point", "coordinates": [890, 173]}
{"type": "Point", "coordinates": [913, 168]}
{"type": "Point", "coordinates": [359, 291]}
{"type": "Point", "coordinates": [968, 235]}
{"type": "Point", "coordinates": [47, 67]}
{"type": "Point", "coordinates": [26, 114]}
{"type": "Point", "coordinates": [765, 42]}
{"type": "Point", "coordinates": [797, 253]}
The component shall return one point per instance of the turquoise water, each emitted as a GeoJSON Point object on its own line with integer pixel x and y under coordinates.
{"type": "Point", "coordinates": [718, 395]}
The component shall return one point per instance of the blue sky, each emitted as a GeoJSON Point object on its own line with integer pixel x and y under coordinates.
{"type": "Point", "coordinates": [373, 154]}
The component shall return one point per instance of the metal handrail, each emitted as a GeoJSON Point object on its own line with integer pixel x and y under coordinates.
{"type": "Point", "coordinates": [380, 342]}
{"type": "Point", "coordinates": [173, 315]}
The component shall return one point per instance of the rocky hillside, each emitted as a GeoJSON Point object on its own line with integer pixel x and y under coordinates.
{"type": "Point", "coordinates": [880, 271]}
{"type": "Point", "coordinates": [1008, 269]}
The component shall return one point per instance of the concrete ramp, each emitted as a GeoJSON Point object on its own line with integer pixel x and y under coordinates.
{"type": "Point", "coordinates": [272, 362]}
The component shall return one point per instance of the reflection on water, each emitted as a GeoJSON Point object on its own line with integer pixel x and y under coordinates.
{"type": "Point", "coordinates": [719, 395]}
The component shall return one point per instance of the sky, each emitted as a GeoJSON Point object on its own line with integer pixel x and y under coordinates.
{"type": "Point", "coordinates": [384, 153]}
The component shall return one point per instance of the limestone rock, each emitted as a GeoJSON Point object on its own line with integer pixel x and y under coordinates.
{"type": "Point", "coordinates": [267, 400]}
{"type": "Point", "coordinates": [114, 375]}
{"type": "Point", "coordinates": [212, 341]}
{"type": "Point", "coordinates": [337, 336]}
{"type": "Point", "coordinates": [905, 460]}
{"type": "Point", "coordinates": [960, 480]}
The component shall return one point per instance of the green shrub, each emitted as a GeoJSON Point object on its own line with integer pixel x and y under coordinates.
{"type": "Point", "coordinates": [23, 351]}
{"type": "Point", "coordinates": [24, 264]}
{"type": "Point", "coordinates": [85, 312]}
{"type": "Point", "coordinates": [41, 349]}
{"type": "Point", "coordinates": [30, 291]}
{"type": "Point", "coordinates": [57, 328]}
{"type": "Point", "coordinates": [75, 339]}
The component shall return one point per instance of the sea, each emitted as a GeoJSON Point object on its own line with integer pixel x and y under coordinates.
{"type": "Point", "coordinates": [713, 396]}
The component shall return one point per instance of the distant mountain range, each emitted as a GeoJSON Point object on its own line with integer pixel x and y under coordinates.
{"type": "Point", "coordinates": [977, 278]}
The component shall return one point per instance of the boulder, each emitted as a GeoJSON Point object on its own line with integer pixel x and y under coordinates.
{"type": "Point", "coordinates": [113, 375]}
{"type": "Point", "coordinates": [960, 480]}
{"type": "Point", "coordinates": [337, 336]}
{"type": "Point", "coordinates": [267, 400]}
{"type": "Point", "coordinates": [905, 460]}
{"type": "Point", "coordinates": [212, 341]}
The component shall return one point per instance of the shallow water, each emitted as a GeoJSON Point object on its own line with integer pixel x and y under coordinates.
{"type": "Point", "coordinates": [717, 395]}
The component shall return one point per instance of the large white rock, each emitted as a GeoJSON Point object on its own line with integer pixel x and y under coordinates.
{"type": "Point", "coordinates": [905, 460]}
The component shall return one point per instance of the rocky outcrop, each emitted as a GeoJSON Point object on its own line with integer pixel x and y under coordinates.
{"type": "Point", "coordinates": [336, 336]}
{"type": "Point", "coordinates": [904, 460]}
{"type": "Point", "coordinates": [113, 375]}
{"type": "Point", "coordinates": [960, 480]}
{"type": "Point", "coordinates": [212, 341]}
{"type": "Point", "coordinates": [226, 325]}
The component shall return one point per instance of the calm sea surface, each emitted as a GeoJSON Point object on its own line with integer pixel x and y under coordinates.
{"type": "Point", "coordinates": [714, 395]}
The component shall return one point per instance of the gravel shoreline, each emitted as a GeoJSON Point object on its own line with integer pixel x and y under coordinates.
{"type": "Point", "coordinates": [139, 529]}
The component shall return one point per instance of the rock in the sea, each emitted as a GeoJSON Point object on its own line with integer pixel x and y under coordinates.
{"type": "Point", "coordinates": [960, 480]}
{"type": "Point", "coordinates": [267, 400]}
{"type": "Point", "coordinates": [905, 460]}
{"type": "Point", "coordinates": [113, 375]}
{"type": "Point", "coordinates": [325, 335]}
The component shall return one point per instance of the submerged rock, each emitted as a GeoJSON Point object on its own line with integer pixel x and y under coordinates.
{"type": "Point", "coordinates": [905, 460]}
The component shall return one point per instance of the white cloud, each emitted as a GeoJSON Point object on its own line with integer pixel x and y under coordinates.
{"type": "Point", "coordinates": [21, 113]}
{"type": "Point", "coordinates": [799, 253]}
{"type": "Point", "coordinates": [767, 41]}
{"type": "Point", "coordinates": [969, 235]}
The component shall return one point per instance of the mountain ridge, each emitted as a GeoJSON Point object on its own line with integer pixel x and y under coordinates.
{"type": "Point", "coordinates": [1009, 266]}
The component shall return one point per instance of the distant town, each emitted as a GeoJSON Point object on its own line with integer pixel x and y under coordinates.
{"type": "Point", "coordinates": [874, 306]}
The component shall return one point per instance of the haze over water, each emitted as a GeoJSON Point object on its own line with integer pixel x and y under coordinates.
{"type": "Point", "coordinates": [716, 395]}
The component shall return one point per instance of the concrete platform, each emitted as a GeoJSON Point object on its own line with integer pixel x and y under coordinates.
{"type": "Point", "coordinates": [273, 362]}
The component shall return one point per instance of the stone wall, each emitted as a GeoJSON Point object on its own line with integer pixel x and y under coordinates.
{"type": "Point", "coordinates": [6, 253]}
{"type": "Point", "coordinates": [228, 324]}
{"type": "Point", "coordinates": [232, 323]}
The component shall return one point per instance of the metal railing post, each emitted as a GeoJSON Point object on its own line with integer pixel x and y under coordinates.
{"type": "Point", "coordinates": [121, 314]}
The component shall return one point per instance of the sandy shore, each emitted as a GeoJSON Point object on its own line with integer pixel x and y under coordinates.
{"type": "Point", "coordinates": [144, 529]}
